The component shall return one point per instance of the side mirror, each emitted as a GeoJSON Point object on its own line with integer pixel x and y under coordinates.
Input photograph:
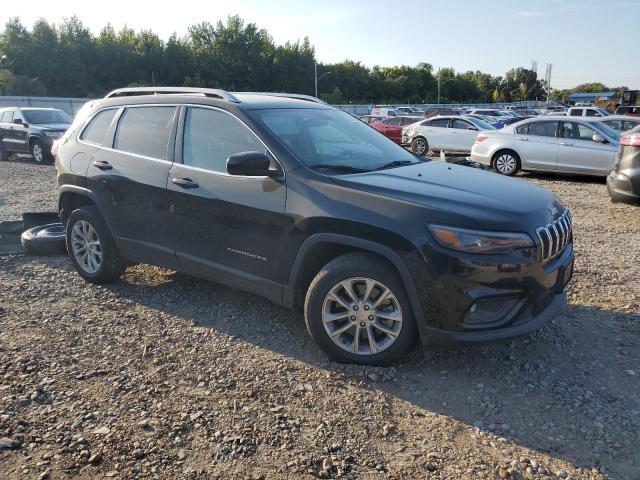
{"type": "Point", "coordinates": [17, 121]}
{"type": "Point", "coordinates": [250, 164]}
{"type": "Point", "coordinates": [472, 128]}
{"type": "Point", "coordinates": [598, 138]}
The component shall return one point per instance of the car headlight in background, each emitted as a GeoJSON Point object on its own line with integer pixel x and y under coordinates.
{"type": "Point", "coordinates": [478, 241]}
{"type": "Point", "coordinates": [53, 134]}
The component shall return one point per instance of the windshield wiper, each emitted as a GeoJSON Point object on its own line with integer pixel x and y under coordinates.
{"type": "Point", "coordinates": [338, 168]}
{"type": "Point", "coordinates": [397, 163]}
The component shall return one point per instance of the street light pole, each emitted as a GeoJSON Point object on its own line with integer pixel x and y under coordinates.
{"type": "Point", "coordinates": [315, 74]}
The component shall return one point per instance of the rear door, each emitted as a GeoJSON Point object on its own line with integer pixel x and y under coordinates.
{"type": "Point", "coordinates": [129, 178]}
{"type": "Point", "coordinates": [578, 153]}
{"type": "Point", "coordinates": [539, 145]}
{"type": "Point", "coordinates": [227, 228]}
{"type": "Point", "coordinates": [464, 134]}
{"type": "Point", "coordinates": [5, 132]}
{"type": "Point", "coordinates": [18, 135]}
{"type": "Point", "coordinates": [435, 131]}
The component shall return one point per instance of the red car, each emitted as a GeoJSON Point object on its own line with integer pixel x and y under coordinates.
{"type": "Point", "coordinates": [392, 126]}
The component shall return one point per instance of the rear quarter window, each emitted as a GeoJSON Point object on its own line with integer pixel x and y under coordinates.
{"type": "Point", "coordinates": [98, 127]}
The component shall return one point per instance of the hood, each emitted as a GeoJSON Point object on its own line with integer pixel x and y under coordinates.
{"type": "Point", "coordinates": [51, 126]}
{"type": "Point", "coordinates": [490, 200]}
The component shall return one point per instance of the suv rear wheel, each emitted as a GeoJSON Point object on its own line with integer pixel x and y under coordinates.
{"type": "Point", "coordinates": [357, 311]}
{"type": "Point", "coordinates": [91, 247]}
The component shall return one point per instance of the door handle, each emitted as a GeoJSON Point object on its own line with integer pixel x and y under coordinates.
{"type": "Point", "coordinates": [566, 144]}
{"type": "Point", "coordinates": [184, 182]}
{"type": "Point", "coordinates": [102, 165]}
{"type": "Point", "coordinates": [524, 139]}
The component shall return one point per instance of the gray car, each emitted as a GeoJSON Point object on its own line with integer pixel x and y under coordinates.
{"type": "Point", "coordinates": [549, 144]}
{"type": "Point", "coordinates": [31, 130]}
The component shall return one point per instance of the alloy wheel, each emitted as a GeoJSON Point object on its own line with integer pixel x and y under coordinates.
{"type": "Point", "coordinates": [506, 163]}
{"type": "Point", "coordinates": [86, 246]}
{"type": "Point", "coordinates": [37, 152]}
{"type": "Point", "coordinates": [362, 316]}
{"type": "Point", "coordinates": [419, 146]}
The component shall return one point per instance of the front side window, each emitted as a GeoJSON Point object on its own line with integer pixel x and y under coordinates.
{"type": "Point", "coordinates": [460, 124]}
{"type": "Point", "coordinates": [592, 113]}
{"type": "Point", "coordinates": [145, 131]}
{"type": "Point", "coordinates": [628, 125]}
{"type": "Point", "coordinates": [97, 129]}
{"type": "Point", "coordinates": [211, 136]}
{"type": "Point", "coordinates": [17, 116]}
{"type": "Point", "coordinates": [576, 112]}
{"type": "Point", "coordinates": [543, 129]}
{"type": "Point", "coordinates": [331, 139]}
{"type": "Point", "coordinates": [576, 131]}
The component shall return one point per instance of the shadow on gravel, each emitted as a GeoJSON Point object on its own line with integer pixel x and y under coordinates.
{"type": "Point", "coordinates": [562, 390]}
{"type": "Point", "coordinates": [586, 179]}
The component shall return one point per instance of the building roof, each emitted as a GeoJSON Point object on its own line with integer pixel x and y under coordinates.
{"type": "Point", "coordinates": [591, 94]}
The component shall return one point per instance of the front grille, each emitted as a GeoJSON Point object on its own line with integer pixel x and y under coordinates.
{"type": "Point", "coordinates": [554, 237]}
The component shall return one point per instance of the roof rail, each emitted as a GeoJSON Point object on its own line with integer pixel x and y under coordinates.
{"type": "Point", "coordinates": [207, 92]}
{"type": "Point", "coordinates": [295, 96]}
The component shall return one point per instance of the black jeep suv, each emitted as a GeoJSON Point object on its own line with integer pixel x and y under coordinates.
{"type": "Point", "coordinates": [31, 130]}
{"type": "Point", "coordinates": [287, 197]}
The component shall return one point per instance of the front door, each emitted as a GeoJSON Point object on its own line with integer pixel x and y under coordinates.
{"type": "Point", "coordinates": [463, 135]}
{"type": "Point", "coordinates": [129, 177]}
{"type": "Point", "coordinates": [578, 153]}
{"type": "Point", "coordinates": [226, 228]}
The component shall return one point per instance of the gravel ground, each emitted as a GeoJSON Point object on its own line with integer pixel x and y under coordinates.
{"type": "Point", "coordinates": [166, 376]}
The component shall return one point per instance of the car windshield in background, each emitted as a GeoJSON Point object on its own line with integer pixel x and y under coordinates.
{"type": "Point", "coordinates": [481, 124]}
{"type": "Point", "coordinates": [607, 130]}
{"type": "Point", "coordinates": [333, 141]}
{"type": "Point", "coordinates": [42, 117]}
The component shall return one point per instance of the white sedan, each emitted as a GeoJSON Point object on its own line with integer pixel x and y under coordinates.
{"type": "Point", "coordinates": [447, 133]}
{"type": "Point", "coordinates": [549, 144]}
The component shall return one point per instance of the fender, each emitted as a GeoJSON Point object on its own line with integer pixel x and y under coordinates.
{"type": "Point", "coordinates": [382, 250]}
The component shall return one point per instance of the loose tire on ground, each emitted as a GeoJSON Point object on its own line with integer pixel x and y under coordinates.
{"type": "Point", "coordinates": [87, 233]}
{"type": "Point", "coordinates": [392, 339]}
{"type": "Point", "coordinates": [45, 240]}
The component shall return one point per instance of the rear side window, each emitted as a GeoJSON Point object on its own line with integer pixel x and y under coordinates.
{"type": "Point", "coordinates": [542, 129]}
{"type": "Point", "coordinates": [210, 137]}
{"type": "Point", "coordinates": [6, 117]}
{"type": "Point", "coordinates": [145, 131]}
{"type": "Point", "coordinates": [523, 129]}
{"type": "Point", "coordinates": [440, 122]}
{"type": "Point", "coordinates": [97, 129]}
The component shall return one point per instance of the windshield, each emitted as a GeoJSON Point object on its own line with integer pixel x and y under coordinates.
{"type": "Point", "coordinates": [41, 117]}
{"type": "Point", "coordinates": [332, 139]}
{"type": "Point", "coordinates": [481, 124]}
{"type": "Point", "coordinates": [606, 129]}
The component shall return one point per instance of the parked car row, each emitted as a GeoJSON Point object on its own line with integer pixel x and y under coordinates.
{"type": "Point", "coordinates": [31, 130]}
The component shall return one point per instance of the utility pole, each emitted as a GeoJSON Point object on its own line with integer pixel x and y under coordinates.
{"type": "Point", "coordinates": [547, 81]}
{"type": "Point", "coordinates": [315, 75]}
{"type": "Point", "coordinates": [438, 85]}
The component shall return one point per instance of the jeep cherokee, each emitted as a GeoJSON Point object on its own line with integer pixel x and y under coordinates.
{"type": "Point", "coordinates": [289, 198]}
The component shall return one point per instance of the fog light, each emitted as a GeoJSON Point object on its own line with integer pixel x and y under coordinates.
{"type": "Point", "coordinates": [474, 308]}
{"type": "Point", "coordinates": [491, 312]}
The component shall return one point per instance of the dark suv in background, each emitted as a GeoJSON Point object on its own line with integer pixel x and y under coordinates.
{"type": "Point", "coordinates": [287, 197]}
{"type": "Point", "coordinates": [31, 130]}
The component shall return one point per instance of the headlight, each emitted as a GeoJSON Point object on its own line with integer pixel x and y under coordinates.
{"type": "Point", "coordinates": [408, 132]}
{"type": "Point", "coordinates": [477, 241]}
{"type": "Point", "coordinates": [53, 134]}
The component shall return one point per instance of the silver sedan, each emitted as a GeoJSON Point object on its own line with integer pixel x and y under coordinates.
{"type": "Point", "coordinates": [549, 144]}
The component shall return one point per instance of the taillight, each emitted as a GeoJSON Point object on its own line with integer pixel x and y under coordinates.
{"type": "Point", "coordinates": [481, 138]}
{"type": "Point", "coordinates": [630, 139]}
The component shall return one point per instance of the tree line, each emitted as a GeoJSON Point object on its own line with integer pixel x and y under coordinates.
{"type": "Point", "coordinates": [68, 60]}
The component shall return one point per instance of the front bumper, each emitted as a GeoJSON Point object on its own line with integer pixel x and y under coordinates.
{"type": "Point", "coordinates": [481, 299]}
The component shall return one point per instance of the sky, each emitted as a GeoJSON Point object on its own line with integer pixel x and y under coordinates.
{"type": "Point", "coordinates": [584, 40]}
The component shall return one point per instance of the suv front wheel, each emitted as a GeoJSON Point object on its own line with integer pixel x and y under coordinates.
{"type": "Point", "coordinates": [91, 247]}
{"type": "Point", "coordinates": [357, 311]}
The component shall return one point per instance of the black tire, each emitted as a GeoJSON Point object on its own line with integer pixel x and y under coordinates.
{"type": "Point", "coordinates": [39, 153]}
{"type": "Point", "coordinates": [416, 146]}
{"type": "Point", "coordinates": [112, 265]}
{"type": "Point", "coordinates": [506, 153]}
{"type": "Point", "coordinates": [45, 240]}
{"type": "Point", "coordinates": [358, 265]}
{"type": "Point", "coordinates": [3, 153]}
